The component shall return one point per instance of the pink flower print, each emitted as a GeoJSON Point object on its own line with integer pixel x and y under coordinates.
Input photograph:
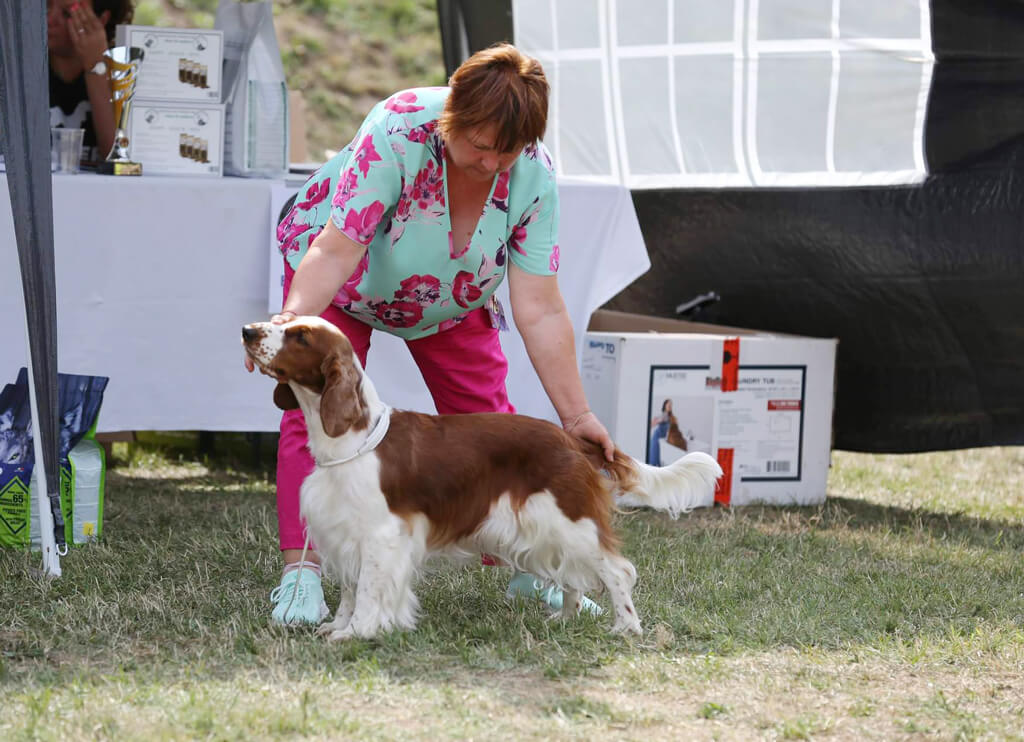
{"type": "Point", "coordinates": [404, 102]}
{"type": "Point", "coordinates": [360, 225]}
{"type": "Point", "coordinates": [348, 293]}
{"type": "Point", "coordinates": [500, 198]}
{"type": "Point", "coordinates": [315, 194]}
{"type": "Point", "coordinates": [399, 313]}
{"type": "Point", "coordinates": [463, 291]}
{"type": "Point", "coordinates": [288, 233]}
{"type": "Point", "coordinates": [553, 262]}
{"type": "Point", "coordinates": [424, 290]}
{"type": "Point", "coordinates": [518, 235]}
{"type": "Point", "coordinates": [346, 188]}
{"type": "Point", "coordinates": [366, 154]}
{"type": "Point", "coordinates": [420, 134]}
{"type": "Point", "coordinates": [518, 238]}
{"type": "Point", "coordinates": [450, 323]}
{"type": "Point", "coordinates": [403, 209]}
{"type": "Point", "coordinates": [453, 252]}
{"type": "Point", "coordinates": [428, 188]}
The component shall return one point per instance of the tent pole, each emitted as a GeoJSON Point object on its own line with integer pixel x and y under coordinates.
{"type": "Point", "coordinates": [39, 497]}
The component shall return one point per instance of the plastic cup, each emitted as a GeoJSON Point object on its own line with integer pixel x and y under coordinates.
{"type": "Point", "coordinates": [65, 149]}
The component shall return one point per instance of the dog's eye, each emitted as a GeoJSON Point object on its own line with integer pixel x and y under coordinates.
{"type": "Point", "coordinates": [303, 338]}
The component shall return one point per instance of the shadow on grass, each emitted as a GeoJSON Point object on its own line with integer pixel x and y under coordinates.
{"type": "Point", "coordinates": [989, 533]}
{"type": "Point", "coordinates": [180, 586]}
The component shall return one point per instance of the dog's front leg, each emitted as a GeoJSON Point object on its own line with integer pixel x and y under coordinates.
{"type": "Point", "coordinates": [342, 616]}
{"type": "Point", "coordinates": [383, 596]}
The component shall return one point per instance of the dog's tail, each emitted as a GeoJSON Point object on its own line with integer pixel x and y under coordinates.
{"type": "Point", "coordinates": [677, 488]}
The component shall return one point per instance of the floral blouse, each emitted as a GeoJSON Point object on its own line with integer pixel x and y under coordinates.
{"type": "Point", "coordinates": [388, 190]}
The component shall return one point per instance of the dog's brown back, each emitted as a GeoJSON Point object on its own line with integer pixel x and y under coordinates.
{"type": "Point", "coordinates": [453, 468]}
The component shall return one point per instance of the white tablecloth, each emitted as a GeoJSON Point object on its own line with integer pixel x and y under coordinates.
{"type": "Point", "coordinates": [156, 276]}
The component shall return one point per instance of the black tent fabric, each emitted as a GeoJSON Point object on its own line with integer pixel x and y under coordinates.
{"type": "Point", "coordinates": [26, 132]}
{"type": "Point", "coordinates": [468, 26]}
{"type": "Point", "coordinates": [921, 284]}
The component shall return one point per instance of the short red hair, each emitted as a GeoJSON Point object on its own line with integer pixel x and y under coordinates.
{"type": "Point", "coordinates": [498, 85]}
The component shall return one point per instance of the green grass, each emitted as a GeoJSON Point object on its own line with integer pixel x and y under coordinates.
{"type": "Point", "coordinates": [895, 610]}
{"type": "Point", "coordinates": [343, 56]}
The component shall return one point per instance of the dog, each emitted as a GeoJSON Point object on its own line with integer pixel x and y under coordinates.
{"type": "Point", "coordinates": [391, 488]}
{"type": "Point", "coordinates": [675, 435]}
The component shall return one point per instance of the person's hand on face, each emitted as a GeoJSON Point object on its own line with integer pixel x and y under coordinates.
{"type": "Point", "coordinates": [87, 32]}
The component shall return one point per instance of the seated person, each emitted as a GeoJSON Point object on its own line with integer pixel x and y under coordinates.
{"type": "Point", "coordinates": [79, 32]}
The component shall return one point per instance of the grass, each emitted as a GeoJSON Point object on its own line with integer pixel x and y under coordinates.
{"type": "Point", "coordinates": [342, 55]}
{"type": "Point", "coordinates": [895, 610]}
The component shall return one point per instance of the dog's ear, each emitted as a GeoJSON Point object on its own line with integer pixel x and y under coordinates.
{"type": "Point", "coordinates": [341, 405]}
{"type": "Point", "coordinates": [284, 397]}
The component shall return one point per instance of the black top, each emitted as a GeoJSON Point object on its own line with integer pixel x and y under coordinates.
{"type": "Point", "coordinates": [70, 108]}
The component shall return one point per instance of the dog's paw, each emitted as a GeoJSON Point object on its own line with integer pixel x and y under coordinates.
{"type": "Point", "coordinates": [330, 627]}
{"type": "Point", "coordinates": [628, 627]}
{"type": "Point", "coordinates": [338, 635]}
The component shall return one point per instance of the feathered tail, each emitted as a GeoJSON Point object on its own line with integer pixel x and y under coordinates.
{"type": "Point", "coordinates": [677, 488]}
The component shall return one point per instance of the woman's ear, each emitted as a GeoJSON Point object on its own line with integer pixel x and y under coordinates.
{"type": "Point", "coordinates": [284, 397]}
{"type": "Point", "coordinates": [341, 405]}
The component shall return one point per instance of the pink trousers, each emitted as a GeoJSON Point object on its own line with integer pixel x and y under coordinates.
{"type": "Point", "coordinates": [463, 367]}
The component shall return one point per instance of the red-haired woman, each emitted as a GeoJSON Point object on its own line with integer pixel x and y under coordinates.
{"type": "Point", "coordinates": [409, 230]}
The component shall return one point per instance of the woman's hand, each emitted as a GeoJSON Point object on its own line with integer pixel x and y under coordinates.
{"type": "Point", "coordinates": [588, 428]}
{"type": "Point", "coordinates": [87, 33]}
{"type": "Point", "coordinates": [285, 315]}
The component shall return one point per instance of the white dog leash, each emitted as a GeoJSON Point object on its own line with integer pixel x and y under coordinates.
{"type": "Point", "coordinates": [373, 440]}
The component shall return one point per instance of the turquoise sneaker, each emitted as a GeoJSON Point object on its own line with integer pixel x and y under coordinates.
{"type": "Point", "coordinates": [302, 606]}
{"type": "Point", "coordinates": [529, 586]}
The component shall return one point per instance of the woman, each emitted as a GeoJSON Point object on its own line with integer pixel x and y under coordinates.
{"type": "Point", "coordinates": [659, 429]}
{"type": "Point", "coordinates": [79, 33]}
{"type": "Point", "coordinates": [410, 230]}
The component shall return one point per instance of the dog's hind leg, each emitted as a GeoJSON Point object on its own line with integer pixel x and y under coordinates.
{"type": "Point", "coordinates": [619, 575]}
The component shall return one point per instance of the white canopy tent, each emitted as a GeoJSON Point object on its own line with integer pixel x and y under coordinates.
{"type": "Point", "coordinates": [747, 93]}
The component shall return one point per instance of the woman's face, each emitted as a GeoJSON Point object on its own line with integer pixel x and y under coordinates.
{"type": "Point", "coordinates": [474, 153]}
{"type": "Point", "coordinates": [57, 14]}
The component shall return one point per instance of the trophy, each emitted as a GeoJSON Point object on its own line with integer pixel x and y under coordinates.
{"type": "Point", "coordinates": [123, 62]}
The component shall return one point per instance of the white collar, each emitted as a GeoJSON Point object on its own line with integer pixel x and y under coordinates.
{"type": "Point", "coordinates": [376, 435]}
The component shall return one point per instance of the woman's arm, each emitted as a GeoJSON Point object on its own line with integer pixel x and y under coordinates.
{"type": "Point", "coordinates": [331, 260]}
{"type": "Point", "coordinates": [98, 87]}
{"type": "Point", "coordinates": [543, 321]}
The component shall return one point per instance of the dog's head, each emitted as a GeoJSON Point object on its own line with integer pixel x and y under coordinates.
{"type": "Point", "coordinates": [315, 355]}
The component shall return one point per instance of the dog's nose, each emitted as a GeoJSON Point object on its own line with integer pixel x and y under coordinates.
{"type": "Point", "coordinates": [249, 333]}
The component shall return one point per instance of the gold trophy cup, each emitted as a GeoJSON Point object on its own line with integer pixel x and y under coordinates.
{"type": "Point", "coordinates": [123, 62]}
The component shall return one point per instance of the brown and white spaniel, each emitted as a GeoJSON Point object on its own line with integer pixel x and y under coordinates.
{"type": "Point", "coordinates": [392, 488]}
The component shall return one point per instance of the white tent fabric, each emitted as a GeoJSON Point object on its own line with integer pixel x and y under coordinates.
{"type": "Point", "coordinates": [692, 93]}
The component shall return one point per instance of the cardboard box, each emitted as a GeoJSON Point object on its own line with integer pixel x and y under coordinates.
{"type": "Point", "coordinates": [182, 138]}
{"type": "Point", "coordinates": [760, 403]}
{"type": "Point", "coordinates": [182, 64]}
